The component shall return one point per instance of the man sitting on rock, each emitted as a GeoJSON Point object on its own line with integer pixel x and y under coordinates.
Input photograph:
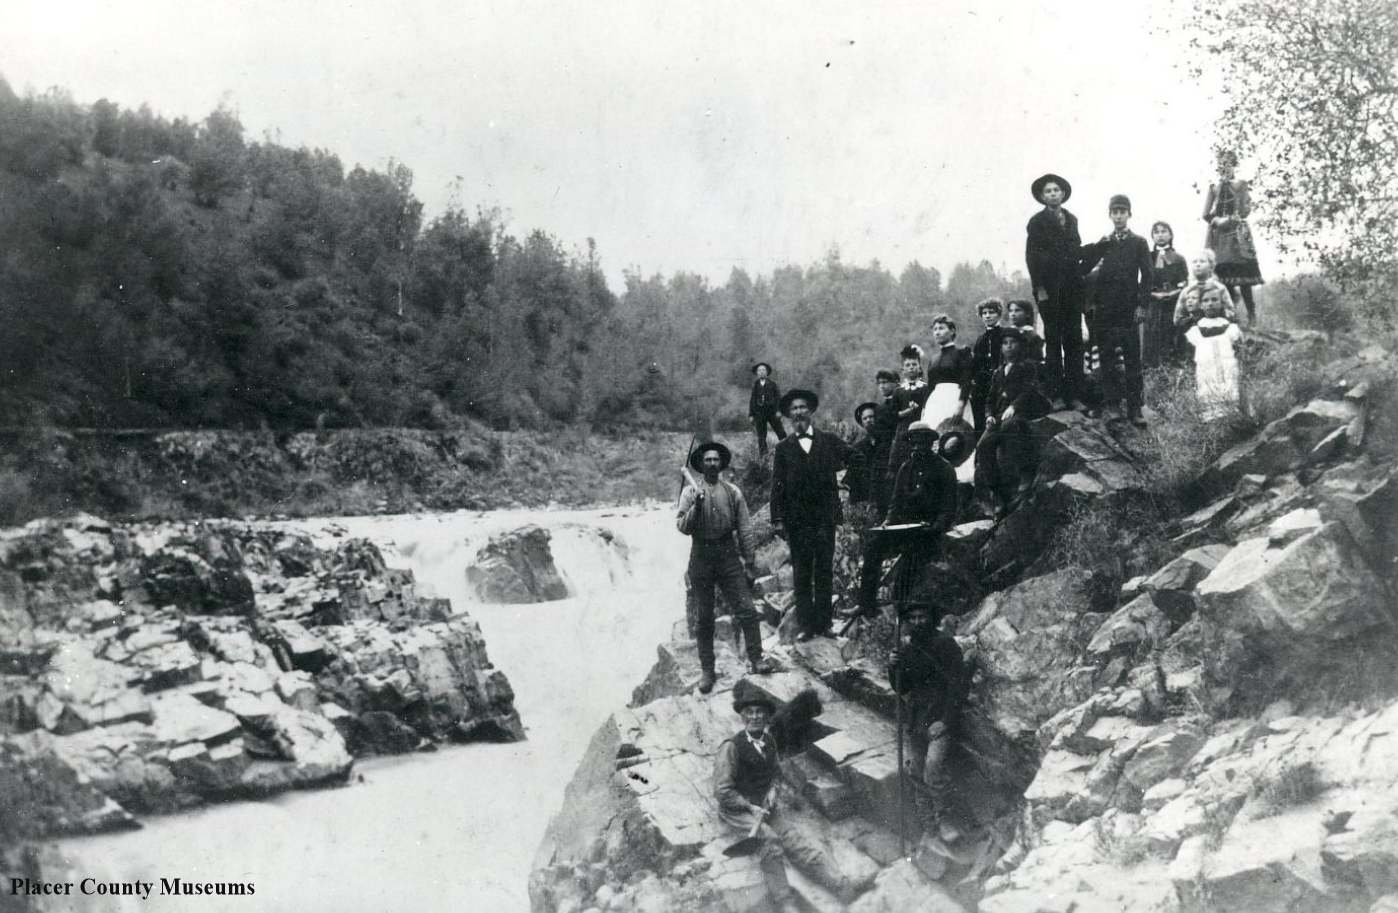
{"type": "Point", "coordinates": [1005, 454]}
{"type": "Point", "coordinates": [714, 514]}
{"type": "Point", "coordinates": [745, 784]}
{"type": "Point", "coordinates": [924, 500]}
{"type": "Point", "coordinates": [931, 674]}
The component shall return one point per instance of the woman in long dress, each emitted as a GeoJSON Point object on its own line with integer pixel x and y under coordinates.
{"type": "Point", "coordinates": [949, 377]}
{"type": "Point", "coordinates": [1230, 238]}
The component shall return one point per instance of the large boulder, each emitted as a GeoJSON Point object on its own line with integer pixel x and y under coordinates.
{"type": "Point", "coordinates": [1305, 436]}
{"type": "Point", "coordinates": [517, 567]}
{"type": "Point", "coordinates": [436, 678]}
{"type": "Point", "coordinates": [1288, 614]}
{"type": "Point", "coordinates": [1027, 643]}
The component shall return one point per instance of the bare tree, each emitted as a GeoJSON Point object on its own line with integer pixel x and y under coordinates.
{"type": "Point", "coordinates": [1311, 88]}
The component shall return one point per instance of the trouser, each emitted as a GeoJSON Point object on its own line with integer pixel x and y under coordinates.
{"type": "Point", "coordinates": [930, 746]}
{"type": "Point", "coordinates": [813, 570]}
{"type": "Point", "coordinates": [784, 836]}
{"type": "Point", "coordinates": [978, 394]}
{"type": "Point", "coordinates": [1005, 458]}
{"type": "Point", "coordinates": [878, 548]}
{"type": "Point", "coordinates": [760, 424]}
{"type": "Point", "coordinates": [715, 563]}
{"type": "Point", "coordinates": [1120, 345]}
{"type": "Point", "coordinates": [1062, 314]}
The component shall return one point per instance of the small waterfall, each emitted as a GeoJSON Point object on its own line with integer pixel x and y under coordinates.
{"type": "Point", "coordinates": [455, 829]}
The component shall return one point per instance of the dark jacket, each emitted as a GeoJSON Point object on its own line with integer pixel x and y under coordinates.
{"type": "Point", "coordinates": [764, 400]}
{"type": "Point", "coordinates": [1052, 252]}
{"type": "Point", "coordinates": [932, 672]}
{"type": "Point", "coordinates": [925, 492]}
{"type": "Point", "coordinates": [985, 358]}
{"type": "Point", "coordinates": [858, 478]}
{"type": "Point", "coordinates": [804, 489]}
{"type": "Point", "coordinates": [1016, 385]}
{"type": "Point", "coordinates": [1125, 278]}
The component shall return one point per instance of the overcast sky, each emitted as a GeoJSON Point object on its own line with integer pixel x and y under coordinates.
{"type": "Point", "coordinates": [691, 136]}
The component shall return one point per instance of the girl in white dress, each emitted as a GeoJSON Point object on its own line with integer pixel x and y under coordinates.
{"type": "Point", "coordinates": [1215, 339]}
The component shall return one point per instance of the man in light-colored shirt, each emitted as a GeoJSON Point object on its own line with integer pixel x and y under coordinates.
{"type": "Point", "coordinates": [714, 514]}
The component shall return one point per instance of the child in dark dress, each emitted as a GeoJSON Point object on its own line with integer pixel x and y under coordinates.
{"type": "Point", "coordinates": [1158, 336]}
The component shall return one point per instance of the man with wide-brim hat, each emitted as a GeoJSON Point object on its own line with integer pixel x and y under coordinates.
{"type": "Point", "coordinates": [858, 478]}
{"type": "Point", "coordinates": [1053, 253]}
{"type": "Point", "coordinates": [714, 514]}
{"type": "Point", "coordinates": [930, 671]}
{"type": "Point", "coordinates": [763, 406]}
{"type": "Point", "coordinates": [806, 508]}
{"type": "Point", "coordinates": [923, 507]}
{"type": "Point", "coordinates": [746, 775]}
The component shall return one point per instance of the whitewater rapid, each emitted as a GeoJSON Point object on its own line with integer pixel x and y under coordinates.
{"type": "Point", "coordinates": [455, 829]}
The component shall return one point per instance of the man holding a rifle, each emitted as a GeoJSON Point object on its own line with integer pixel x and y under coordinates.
{"type": "Point", "coordinates": [713, 513]}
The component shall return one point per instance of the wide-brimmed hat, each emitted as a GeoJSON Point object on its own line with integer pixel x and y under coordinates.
{"type": "Point", "coordinates": [956, 436]}
{"type": "Point", "coordinates": [862, 406]}
{"type": "Point", "coordinates": [1037, 187]}
{"type": "Point", "coordinates": [920, 427]}
{"type": "Point", "coordinates": [696, 459]}
{"type": "Point", "coordinates": [808, 395]}
{"type": "Point", "coordinates": [763, 364]}
{"type": "Point", "coordinates": [746, 694]}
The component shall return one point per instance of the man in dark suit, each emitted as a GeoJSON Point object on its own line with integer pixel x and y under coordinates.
{"type": "Point", "coordinates": [1121, 294]}
{"type": "Point", "coordinates": [1053, 253]}
{"type": "Point", "coordinates": [762, 406]}
{"type": "Point", "coordinates": [806, 508]}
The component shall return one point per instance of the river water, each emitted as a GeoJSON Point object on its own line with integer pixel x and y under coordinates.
{"type": "Point", "coordinates": [455, 829]}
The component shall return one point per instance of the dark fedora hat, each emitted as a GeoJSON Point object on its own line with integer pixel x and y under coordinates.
{"type": "Point", "coordinates": [696, 459]}
{"type": "Point", "coordinates": [1037, 187]}
{"type": "Point", "coordinates": [862, 406]}
{"type": "Point", "coordinates": [791, 395]}
{"type": "Point", "coordinates": [956, 436]}
{"type": "Point", "coordinates": [763, 364]}
{"type": "Point", "coordinates": [746, 694]}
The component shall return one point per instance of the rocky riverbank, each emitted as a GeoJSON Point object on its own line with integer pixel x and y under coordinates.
{"type": "Point", "coordinates": [1207, 725]}
{"type": "Point", "coordinates": [153, 667]}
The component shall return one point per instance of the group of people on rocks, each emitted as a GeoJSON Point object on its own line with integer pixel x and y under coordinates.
{"type": "Point", "coordinates": [1144, 307]}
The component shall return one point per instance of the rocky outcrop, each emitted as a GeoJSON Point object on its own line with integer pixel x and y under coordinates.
{"type": "Point", "coordinates": [517, 567]}
{"type": "Point", "coordinates": [1215, 734]}
{"type": "Point", "coordinates": [154, 667]}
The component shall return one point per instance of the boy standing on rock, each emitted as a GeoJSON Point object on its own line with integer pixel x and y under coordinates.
{"type": "Point", "coordinates": [762, 406]}
{"type": "Point", "coordinates": [714, 514]}
{"type": "Point", "coordinates": [1121, 295]}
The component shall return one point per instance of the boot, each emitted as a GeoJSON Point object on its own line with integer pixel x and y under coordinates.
{"type": "Point", "coordinates": [1137, 417]}
{"type": "Point", "coordinates": [706, 681]}
{"type": "Point", "coordinates": [762, 666]}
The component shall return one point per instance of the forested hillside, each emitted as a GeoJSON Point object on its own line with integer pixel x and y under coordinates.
{"type": "Point", "coordinates": [163, 273]}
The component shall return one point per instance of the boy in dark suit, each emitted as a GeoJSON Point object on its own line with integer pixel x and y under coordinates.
{"type": "Point", "coordinates": [806, 509]}
{"type": "Point", "coordinates": [762, 406]}
{"type": "Point", "coordinates": [1005, 454]}
{"type": "Point", "coordinates": [1052, 252]}
{"type": "Point", "coordinates": [1121, 294]}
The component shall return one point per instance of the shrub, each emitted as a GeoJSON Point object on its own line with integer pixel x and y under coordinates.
{"type": "Point", "coordinates": [1292, 786]}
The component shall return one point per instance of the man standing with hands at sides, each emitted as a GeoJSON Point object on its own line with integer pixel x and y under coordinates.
{"type": "Point", "coordinates": [1053, 253]}
{"type": "Point", "coordinates": [762, 406]}
{"type": "Point", "coordinates": [713, 513]}
{"type": "Point", "coordinates": [806, 509]}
